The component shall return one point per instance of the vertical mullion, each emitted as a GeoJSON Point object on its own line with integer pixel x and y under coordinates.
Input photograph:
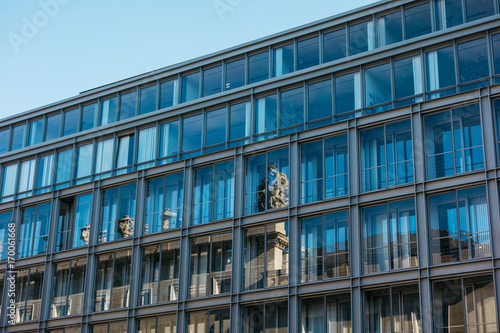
{"type": "Point", "coordinates": [209, 267]}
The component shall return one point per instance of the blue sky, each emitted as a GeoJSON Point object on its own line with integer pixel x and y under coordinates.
{"type": "Point", "coordinates": [54, 49]}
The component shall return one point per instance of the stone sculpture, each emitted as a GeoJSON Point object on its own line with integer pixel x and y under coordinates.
{"type": "Point", "coordinates": [85, 234]}
{"type": "Point", "coordinates": [126, 226]}
{"type": "Point", "coordinates": [167, 216]}
{"type": "Point", "coordinates": [277, 190]}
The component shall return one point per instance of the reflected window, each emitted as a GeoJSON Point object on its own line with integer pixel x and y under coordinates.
{"type": "Point", "coordinates": [324, 169]}
{"type": "Point", "coordinates": [449, 13]}
{"type": "Point", "coordinates": [324, 244]}
{"type": "Point", "coordinates": [473, 62]}
{"type": "Point", "coordinates": [67, 293]}
{"type": "Point", "coordinates": [478, 9]}
{"type": "Point", "coordinates": [389, 237]}
{"type": "Point", "coordinates": [235, 74]}
{"type": "Point", "coordinates": [307, 53]}
{"type": "Point", "coordinates": [146, 150]}
{"type": "Point", "coordinates": [34, 229]}
{"type": "Point", "coordinates": [164, 203]}
{"type": "Point", "coordinates": [347, 96]}
{"type": "Point", "coordinates": [84, 163]}
{"type": "Point", "coordinates": [169, 142]}
{"type": "Point", "coordinates": [112, 283]}
{"type": "Point", "coordinates": [215, 130]}
{"type": "Point", "coordinates": [128, 104]}
{"type": "Point", "coordinates": [64, 169]}
{"type": "Point", "coordinates": [361, 37]}
{"type": "Point", "coordinates": [459, 226]}
{"type": "Point", "coordinates": [418, 20]}
{"type": "Point", "coordinates": [283, 60]}
{"type": "Point", "coordinates": [191, 135]}
{"type": "Point", "coordinates": [148, 99]}
{"type": "Point", "coordinates": [269, 317]}
{"type": "Point", "coordinates": [108, 110]}
{"type": "Point", "coordinates": [169, 90]}
{"type": "Point", "coordinates": [211, 261]}
{"type": "Point", "coordinates": [212, 81]}
{"type": "Point", "coordinates": [70, 122]}
{"type": "Point", "coordinates": [319, 103]}
{"type": "Point", "coordinates": [103, 159]}
{"type": "Point", "coordinates": [118, 213]}
{"type": "Point", "coordinates": [36, 132]}
{"type": "Point", "coordinates": [334, 45]}
{"type": "Point", "coordinates": [160, 273]}
{"type": "Point", "coordinates": [211, 321]}
{"type": "Point", "coordinates": [190, 87]}
{"type": "Point", "coordinates": [165, 323]}
{"type": "Point", "coordinates": [266, 117]}
{"type": "Point", "coordinates": [26, 178]}
{"type": "Point", "coordinates": [265, 256]}
{"type": "Point", "coordinates": [53, 127]}
{"type": "Point", "coordinates": [240, 123]}
{"type": "Point", "coordinates": [292, 111]}
{"type": "Point", "coordinates": [453, 142]}
{"type": "Point", "coordinates": [378, 88]}
{"type": "Point", "coordinates": [28, 295]}
{"type": "Point", "coordinates": [88, 116]}
{"type": "Point", "coordinates": [5, 220]}
{"type": "Point", "coordinates": [337, 317]}
{"type": "Point", "coordinates": [213, 193]}
{"type": "Point", "coordinates": [18, 136]}
{"type": "Point", "coordinates": [440, 72]}
{"type": "Point", "coordinates": [9, 182]}
{"type": "Point", "coordinates": [258, 67]}
{"type": "Point", "coordinates": [125, 154]}
{"type": "Point", "coordinates": [112, 327]}
{"type": "Point", "coordinates": [390, 29]}
{"type": "Point", "coordinates": [408, 80]}
{"type": "Point", "coordinates": [73, 223]}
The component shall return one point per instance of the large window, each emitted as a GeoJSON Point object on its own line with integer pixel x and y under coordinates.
{"type": "Point", "coordinates": [67, 292]}
{"type": "Point", "coordinates": [324, 247]}
{"type": "Point", "coordinates": [88, 116]}
{"type": "Point", "coordinates": [361, 37]}
{"type": "Point", "coordinates": [213, 193]}
{"type": "Point", "coordinates": [112, 327]}
{"type": "Point", "coordinates": [215, 130]}
{"type": "Point", "coordinates": [211, 262]}
{"type": "Point", "coordinates": [28, 295]}
{"type": "Point", "coordinates": [453, 142]}
{"type": "Point", "coordinates": [5, 220]}
{"type": "Point", "coordinates": [209, 321]}
{"type": "Point", "coordinates": [190, 87]}
{"type": "Point", "coordinates": [326, 314]}
{"type": "Point", "coordinates": [112, 284]}
{"type": "Point", "coordinates": [386, 156]}
{"type": "Point", "coordinates": [319, 103]}
{"type": "Point", "coordinates": [266, 117]}
{"type": "Point", "coordinates": [169, 92]}
{"type": "Point", "coordinates": [160, 273]}
{"type": "Point", "coordinates": [239, 124]}
{"type": "Point", "coordinates": [36, 132]}
{"type": "Point", "coordinates": [334, 45]}
{"type": "Point", "coordinates": [451, 12]}
{"type": "Point", "coordinates": [53, 127]}
{"type": "Point", "coordinates": [125, 154]}
{"type": "Point", "coordinates": [324, 169]}
{"type": "Point", "coordinates": [389, 237]}
{"type": "Point", "coordinates": [347, 96]}
{"type": "Point", "coordinates": [103, 159]}
{"type": "Point", "coordinates": [70, 122]}
{"type": "Point", "coordinates": [45, 173]}
{"type": "Point", "coordinates": [235, 74]}
{"type": "Point", "coordinates": [291, 113]}
{"type": "Point", "coordinates": [18, 134]}
{"type": "Point", "coordinates": [108, 110]}
{"type": "Point", "coordinates": [212, 81]}
{"type": "Point", "coordinates": [164, 324]}
{"type": "Point", "coordinates": [148, 99]}
{"type": "Point", "coordinates": [84, 163]}
{"type": "Point", "coordinates": [307, 53]}
{"type": "Point", "coordinates": [265, 256]}
{"type": "Point", "coordinates": [64, 168]}
{"type": "Point", "coordinates": [164, 203]}
{"type": "Point", "coordinates": [395, 309]}
{"type": "Point", "coordinates": [267, 181]}
{"type": "Point", "coordinates": [73, 225]}
{"type": "Point", "coordinates": [473, 63]}
{"type": "Point", "coordinates": [389, 29]}
{"type": "Point", "coordinates": [191, 135]}
{"type": "Point", "coordinates": [146, 150]}
{"type": "Point", "coordinates": [418, 20]}
{"type": "Point", "coordinates": [169, 142]}
{"type": "Point", "coordinates": [283, 60]}
{"type": "Point", "coordinates": [465, 304]}
{"type": "Point", "coordinates": [378, 88]}
{"type": "Point", "coordinates": [118, 213]}
{"type": "Point", "coordinates": [258, 67]}
{"type": "Point", "coordinates": [26, 178]}
{"type": "Point", "coordinates": [128, 105]}
{"type": "Point", "coordinates": [34, 230]}
{"type": "Point", "coordinates": [408, 84]}
{"type": "Point", "coordinates": [9, 182]}
{"type": "Point", "coordinates": [269, 317]}
{"type": "Point", "coordinates": [459, 225]}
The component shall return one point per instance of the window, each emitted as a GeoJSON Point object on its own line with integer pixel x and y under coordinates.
{"type": "Point", "coordinates": [390, 29]}
{"type": "Point", "coordinates": [45, 173]}
{"type": "Point", "coordinates": [378, 88]}
{"type": "Point", "coordinates": [18, 136]}
{"type": "Point", "coordinates": [361, 37]}
{"type": "Point", "coordinates": [212, 81]}
{"type": "Point", "coordinates": [324, 247]}
{"type": "Point", "coordinates": [329, 314]}
{"type": "Point", "coordinates": [265, 256]}
{"type": "Point", "coordinates": [324, 169]}
{"type": "Point", "coordinates": [213, 193]}
{"type": "Point", "coordinates": [465, 303]}
{"type": "Point", "coordinates": [347, 96]}
{"type": "Point", "coordinates": [146, 151]}
{"type": "Point", "coordinates": [190, 87]}
{"type": "Point", "coordinates": [496, 106]}
{"type": "Point", "coordinates": [4, 140]}
{"type": "Point", "coordinates": [67, 292]}
{"type": "Point", "coordinates": [64, 162]}
{"type": "Point", "coordinates": [240, 122]}
{"type": "Point", "coordinates": [28, 295]}
{"type": "Point", "coordinates": [394, 309]}
{"type": "Point", "coordinates": [269, 317]}
{"type": "Point", "coordinates": [73, 224]}
{"type": "Point", "coordinates": [459, 225]}
{"type": "Point", "coordinates": [53, 127]}
{"type": "Point", "coordinates": [283, 60]}
{"type": "Point", "coordinates": [88, 116]}
{"type": "Point", "coordinates": [258, 67]}
{"type": "Point", "coordinates": [319, 104]}
{"type": "Point", "coordinates": [84, 163]}
{"type": "Point", "coordinates": [26, 178]}
{"type": "Point", "coordinates": [169, 142]}
{"type": "Point", "coordinates": [418, 20]}
{"type": "Point", "coordinates": [211, 261]}
{"type": "Point", "coordinates": [215, 130]}
{"type": "Point", "coordinates": [36, 132]}
{"type": "Point", "coordinates": [70, 329]}
{"type": "Point", "coordinates": [191, 136]}
{"type": "Point", "coordinates": [334, 45]}
{"type": "Point", "coordinates": [386, 156]}
{"type": "Point", "coordinates": [70, 122]}
{"type": "Point", "coordinates": [408, 80]}
{"type": "Point", "coordinates": [164, 203]}
{"type": "Point", "coordinates": [128, 104]}
{"type": "Point", "coordinates": [453, 142]}
{"type": "Point", "coordinates": [169, 90]}
{"type": "Point", "coordinates": [235, 74]}
{"type": "Point", "coordinates": [267, 181]}
{"type": "Point", "coordinates": [148, 99]}
{"type": "Point", "coordinates": [292, 111]}
{"type": "Point", "coordinates": [5, 220]}
{"type": "Point", "coordinates": [441, 72]}
{"type": "Point", "coordinates": [478, 9]}
{"type": "Point", "coordinates": [266, 117]}
{"type": "Point", "coordinates": [113, 327]}
{"type": "Point", "coordinates": [112, 284]}
{"type": "Point", "coordinates": [9, 182]}
{"type": "Point", "coordinates": [389, 237]}
{"type": "Point", "coordinates": [108, 110]}
{"type": "Point", "coordinates": [211, 321]}
{"type": "Point", "coordinates": [125, 154]}
{"type": "Point", "coordinates": [307, 53]}
{"type": "Point", "coordinates": [166, 323]}
{"type": "Point", "coordinates": [473, 63]}
{"type": "Point", "coordinates": [118, 213]}
{"type": "Point", "coordinates": [160, 273]}
{"type": "Point", "coordinates": [103, 159]}
{"type": "Point", "coordinates": [34, 230]}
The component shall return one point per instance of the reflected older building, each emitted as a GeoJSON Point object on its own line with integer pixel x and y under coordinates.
{"type": "Point", "coordinates": [342, 176]}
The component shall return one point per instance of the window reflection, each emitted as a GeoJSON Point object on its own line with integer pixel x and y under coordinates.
{"type": "Point", "coordinates": [67, 292]}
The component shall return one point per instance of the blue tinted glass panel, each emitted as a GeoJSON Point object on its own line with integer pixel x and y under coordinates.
{"type": "Point", "coordinates": [336, 166]}
{"type": "Point", "coordinates": [319, 103]}
{"type": "Point", "coordinates": [408, 77]}
{"type": "Point", "coordinates": [495, 39]}
{"type": "Point", "coordinates": [9, 180]}
{"type": "Point", "coordinates": [146, 150]}
{"type": "Point", "coordinates": [108, 111]}
{"type": "Point", "coordinates": [45, 168]}
{"type": "Point", "coordinates": [311, 172]}
{"type": "Point", "coordinates": [88, 116]}
{"type": "Point", "coordinates": [235, 74]}
{"type": "Point", "coordinates": [212, 81]}
{"type": "Point", "coordinates": [70, 122]}
{"type": "Point", "coordinates": [191, 133]}
{"type": "Point", "coordinates": [360, 37]}
{"type": "Point", "coordinates": [478, 9]}
{"type": "Point", "coordinates": [292, 108]}
{"type": "Point", "coordinates": [283, 60]}
{"type": "Point", "coordinates": [439, 145]}
{"type": "Point", "coordinates": [308, 53]}
{"type": "Point", "coordinates": [334, 45]}
{"type": "Point", "coordinates": [418, 20]}
{"type": "Point", "coordinates": [216, 127]}
{"type": "Point", "coordinates": [148, 99]}
{"type": "Point", "coordinates": [4, 140]}
{"type": "Point", "coordinates": [5, 219]}
{"type": "Point", "coordinates": [378, 85]}
{"type": "Point", "coordinates": [84, 162]}
{"type": "Point", "coordinates": [390, 29]}
{"type": "Point", "coordinates": [454, 13]}
{"type": "Point", "coordinates": [18, 137]}
{"type": "Point", "coordinates": [128, 104]}
{"type": "Point", "coordinates": [190, 87]}
{"type": "Point", "coordinates": [169, 91]}
{"type": "Point", "coordinates": [440, 68]}
{"type": "Point", "coordinates": [125, 154]}
{"type": "Point", "coordinates": [64, 161]}
{"type": "Point", "coordinates": [347, 93]}
{"type": "Point", "coordinates": [53, 127]}
{"type": "Point", "coordinates": [36, 132]}
{"type": "Point", "coordinates": [82, 218]}
{"type": "Point", "coordinates": [169, 144]}
{"type": "Point", "coordinates": [473, 60]}
{"type": "Point", "coordinates": [240, 121]}
{"type": "Point", "coordinates": [266, 114]}
{"type": "Point", "coordinates": [258, 67]}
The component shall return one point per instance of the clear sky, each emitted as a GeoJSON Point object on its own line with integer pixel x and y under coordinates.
{"type": "Point", "coordinates": [54, 49]}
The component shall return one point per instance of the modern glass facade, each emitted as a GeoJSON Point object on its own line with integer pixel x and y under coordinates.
{"type": "Point", "coordinates": [339, 177]}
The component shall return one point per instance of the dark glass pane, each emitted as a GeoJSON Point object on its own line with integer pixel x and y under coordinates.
{"type": "Point", "coordinates": [108, 111]}
{"type": "Point", "coordinates": [440, 68]}
{"type": "Point", "coordinates": [258, 67]}
{"type": "Point", "coordinates": [128, 103]}
{"type": "Point", "coordinates": [212, 81]}
{"type": "Point", "coordinates": [454, 14]}
{"type": "Point", "coordinates": [292, 107]}
{"type": "Point", "coordinates": [70, 122]}
{"type": "Point", "coordinates": [319, 104]}
{"type": "Point", "coordinates": [53, 127]}
{"type": "Point", "coordinates": [235, 74]}
{"type": "Point", "coordinates": [390, 29]}
{"type": "Point", "coordinates": [308, 53]}
{"type": "Point", "coordinates": [148, 99]}
{"type": "Point", "coordinates": [36, 132]}
{"type": "Point", "coordinates": [473, 60]}
{"type": "Point", "coordinates": [191, 133]}
{"type": "Point", "coordinates": [169, 141]}
{"type": "Point", "coordinates": [408, 77]}
{"type": "Point", "coordinates": [4, 140]}
{"type": "Point", "coordinates": [495, 39]}
{"type": "Point", "coordinates": [418, 20]}
{"type": "Point", "coordinates": [478, 9]}
{"type": "Point", "coordinates": [334, 45]}
{"type": "Point", "coordinates": [378, 85]}
{"type": "Point", "coordinates": [168, 93]}
{"type": "Point", "coordinates": [359, 38]}
{"type": "Point", "coordinates": [283, 60]}
{"type": "Point", "coordinates": [190, 87]}
{"type": "Point", "coordinates": [266, 114]}
{"type": "Point", "coordinates": [18, 137]}
{"type": "Point", "coordinates": [312, 172]}
{"type": "Point", "coordinates": [347, 93]}
{"type": "Point", "coordinates": [240, 121]}
{"type": "Point", "coordinates": [88, 116]}
{"type": "Point", "coordinates": [216, 127]}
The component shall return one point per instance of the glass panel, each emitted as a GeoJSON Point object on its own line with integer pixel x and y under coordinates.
{"type": "Point", "coordinates": [336, 245]}
{"type": "Point", "coordinates": [378, 311]}
{"type": "Point", "coordinates": [223, 190]}
{"type": "Point", "coordinates": [361, 37]}
{"type": "Point", "coordinates": [312, 172]}
{"type": "Point", "coordinates": [82, 220]}
{"type": "Point", "coordinates": [84, 164]}
{"type": "Point", "coordinates": [28, 296]}
{"type": "Point", "coordinates": [190, 87]}
{"type": "Point", "coordinates": [478, 9]}
{"type": "Point", "coordinates": [118, 213]}
{"type": "Point", "coordinates": [418, 20]}
{"type": "Point", "coordinates": [347, 93]}
{"type": "Point", "coordinates": [399, 153]}
{"type": "Point", "coordinates": [70, 122]}
{"type": "Point", "coordinates": [258, 67]}
{"type": "Point", "coordinates": [146, 150]}
{"type": "Point", "coordinates": [125, 154]}
{"type": "Point", "coordinates": [215, 132]}
{"type": "Point", "coordinates": [266, 114]}
{"type": "Point", "coordinates": [439, 149]}
{"type": "Point", "coordinates": [212, 81]}
{"type": "Point", "coordinates": [88, 116]}
{"type": "Point", "coordinates": [334, 45]}
{"type": "Point", "coordinates": [319, 103]}
{"type": "Point", "coordinates": [292, 108]}
{"type": "Point", "coordinates": [454, 12]}
{"type": "Point", "coordinates": [148, 99]}
{"type": "Point", "coordinates": [375, 240]}
{"type": "Point", "coordinates": [307, 53]}
{"type": "Point", "coordinates": [112, 283]}
{"type": "Point", "coordinates": [4, 140]}
{"type": "Point", "coordinates": [169, 140]}
{"type": "Point", "coordinates": [378, 85]}
{"type": "Point", "coordinates": [169, 90]}
{"type": "Point", "coordinates": [18, 137]}
{"type": "Point", "coordinates": [408, 77]}
{"type": "Point", "coordinates": [203, 196]}
{"type": "Point", "coordinates": [336, 166]}
{"type": "Point", "coordinates": [108, 111]}
{"type": "Point", "coordinates": [5, 220]}
{"type": "Point", "coordinates": [240, 123]}
{"type": "Point", "coordinates": [373, 159]}
{"type": "Point", "coordinates": [104, 156]}
{"type": "Point", "coordinates": [235, 74]}
{"type": "Point", "coordinates": [467, 138]}
{"type": "Point", "coordinates": [495, 40]}
{"type": "Point", "coordinates": [26, 176]}
{"type": "Point", "coordinates": [283, 60]}
{"type": "Point", "coordinates": [9, 180]}
{"type": "Point", "coordinates": [64, 162]}
{"type": "Point", "coordinates": [473, 60]}
{"type": "Point", "coordinates": [440, 70]}
{"type": "Point", "coordinates": [312, 249]}
{"type": "Point", "coordinates": [403, 233]}
{"type": "Point", "coordinates": [390, 29]}
{"type": "Point", "coordinates": [53, 127]}
{"type": "Point", "coordinates": [34, 231]}
{"type": "Point", "coordinates": [67, 295]}
{"type": "Point", "coordinates": [128, 104]}
{"type": "Point", "coordinates": [167, 324]}
{"type": "Point", "coordinates": [36, 132]}
{"type": "Point", "coordinates": [191, 133]}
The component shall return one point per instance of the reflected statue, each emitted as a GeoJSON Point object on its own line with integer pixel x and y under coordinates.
{"type": "Point", "coordinates": [277, 190]}
{"type": "Point", "coordinates": [126, 226]}
{"type": "Point", "coordinates": [85, 234]}
{"type": "Point", "coordinates": [167, 216]}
